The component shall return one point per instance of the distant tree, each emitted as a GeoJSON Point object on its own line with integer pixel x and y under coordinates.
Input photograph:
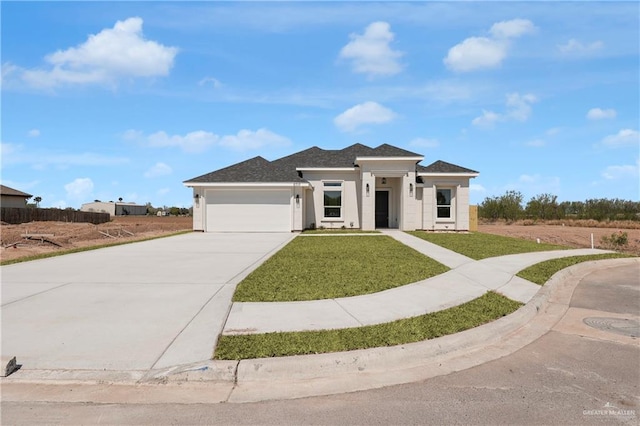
{"type": "Point", "coordinates": [507, 206]}
{"type": "Point", "coordinates": [174, 211]}
{"type": "Point", "coordinates": [120, 199]}
{"type": "Point", "coordinates": [543, 206]}
{"type": "Point", "coordinates": [37, 200]}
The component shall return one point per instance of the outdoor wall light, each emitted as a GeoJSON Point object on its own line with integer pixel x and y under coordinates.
{"type": "Point", "coordinates": [298, 199]}
{"type": "Point", "coordinates": [368, 190]}
{"type": "Point", "coordinates": [410, 190]}
{"type": "Point", "coordinates": [196, 196]}
{"type": "Point", "coordinates": [384, 181]}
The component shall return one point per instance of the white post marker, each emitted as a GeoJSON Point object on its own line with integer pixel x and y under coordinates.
{"type": "Point", "coordinates": [592, 240]}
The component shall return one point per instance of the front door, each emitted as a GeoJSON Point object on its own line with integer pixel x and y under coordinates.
{"type": "Point", "coordinates": [382, 209]}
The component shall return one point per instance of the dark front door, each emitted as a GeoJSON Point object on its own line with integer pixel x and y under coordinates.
{"type": "Point", "coordinates": [382, 209]}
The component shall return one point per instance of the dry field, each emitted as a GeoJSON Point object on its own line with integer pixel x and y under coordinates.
{"type": "Point", "coordinates": [74, 235]}
{"type": "Point", "coordinates": [572, 234]}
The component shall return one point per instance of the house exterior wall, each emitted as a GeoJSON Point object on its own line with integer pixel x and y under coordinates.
{"type": "Point", "coordinates": [100, 207]}
{"type": "Point", "coordinates": [13, 201]}
{"type": "Point", "coordinates": [115, 209]}
{"type": "Point", "coordinates": [351, 195]}
{"type": "Point", "coordinates": [459, 220]}
{"type": "Point", "coordinates": [399, 174]}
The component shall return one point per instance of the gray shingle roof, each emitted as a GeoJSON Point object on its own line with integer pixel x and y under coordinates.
{"type": "Point", "coordinates": [443, 167]}
{"type": "Point", "coordinates": [5, 190]}
{"type": "Point", "coordinates": [258, 169]}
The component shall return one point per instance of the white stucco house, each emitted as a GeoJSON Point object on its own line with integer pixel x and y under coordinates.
{"type": "Point", "coordinates": [356, 187]}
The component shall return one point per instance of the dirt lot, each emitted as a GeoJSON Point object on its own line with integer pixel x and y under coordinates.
{"type": "Point", "coordinates": [74, 235]}
{"type": "Point", "coordinates": [572, 236]}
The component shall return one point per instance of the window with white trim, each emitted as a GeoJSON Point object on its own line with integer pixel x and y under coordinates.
{"type": "Point", "coordinates": [332, 200]}
{"type": "Point", "coordinates": [443, 203]}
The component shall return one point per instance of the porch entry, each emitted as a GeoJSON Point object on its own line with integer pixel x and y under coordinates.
{"type": "Point", "coordinates": [382, 209]}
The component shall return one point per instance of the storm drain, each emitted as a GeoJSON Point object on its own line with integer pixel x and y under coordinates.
{"type": "Point", "coordinates": [623, 326]}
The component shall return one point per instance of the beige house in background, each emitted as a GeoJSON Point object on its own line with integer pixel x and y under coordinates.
{"type": "Point", "coordinates": [10, 197]}
{"type": "Point", "coordinates": [357, 187]}
{"type": "Point", "coordinates": [115, 209]}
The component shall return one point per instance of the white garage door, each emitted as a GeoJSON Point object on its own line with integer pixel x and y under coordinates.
{"type": "Point", "coordinates": [233, 210]}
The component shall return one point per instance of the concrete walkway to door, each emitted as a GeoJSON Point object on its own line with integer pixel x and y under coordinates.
{"type": "Point", "coordinates": [139, 306]}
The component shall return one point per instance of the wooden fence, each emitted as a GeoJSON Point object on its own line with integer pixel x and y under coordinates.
{"type": "Point", "coordinates": [14, 216]}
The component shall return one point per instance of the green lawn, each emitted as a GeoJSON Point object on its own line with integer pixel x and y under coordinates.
{"type": "Point", "coordinates": [541, 272]}
{"type": "Point", "coordinates": [478, 246]}
{"type": "Point", "coordinates": [312, 268]}
{"type": "Point", "coordinates": [338, 231]}
{"type": "Point", "coordinates": [479, 311]}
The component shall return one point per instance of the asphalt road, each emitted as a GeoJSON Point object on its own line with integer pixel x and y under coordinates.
{"type": "Point", "coordinates": [574, 374]}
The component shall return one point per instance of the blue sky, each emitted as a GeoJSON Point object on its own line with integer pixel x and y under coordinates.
{"type": "Point", "coordinates": [129, 99]}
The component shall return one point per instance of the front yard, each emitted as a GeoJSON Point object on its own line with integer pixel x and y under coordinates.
{"type": "Point", "coordinates": [326, 267]}
{"type": "Point", "coordinates": [479, 246]}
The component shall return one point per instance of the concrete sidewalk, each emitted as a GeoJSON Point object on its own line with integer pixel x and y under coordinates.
{"type": "Point", "coordinates": [467, 280]}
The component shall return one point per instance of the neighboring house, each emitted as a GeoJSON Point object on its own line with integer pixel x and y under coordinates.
{"type": "Point", "coordinates": [10, 197]}
{"type": "Point", "coordinates": [115, 209]}
{"type": "Point", "coordinates": [356, 187]}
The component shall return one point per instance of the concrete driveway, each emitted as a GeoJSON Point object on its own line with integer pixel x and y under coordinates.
{"type": "Point", "coordinates": [139, 306]}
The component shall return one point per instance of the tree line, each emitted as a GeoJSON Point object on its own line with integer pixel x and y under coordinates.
{"type": "Point", "coordinates": [511, 207]}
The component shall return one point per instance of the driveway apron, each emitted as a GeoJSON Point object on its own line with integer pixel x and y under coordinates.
{"type": "Point", "coordinates": [138, 306]}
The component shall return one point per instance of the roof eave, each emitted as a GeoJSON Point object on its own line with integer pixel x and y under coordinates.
{"type": "Point", "coordinates": [189, 184]}
{"type": "Point", "coordinates": [469, 175]}
{"type": "Point", "coordinates": [413, 158]}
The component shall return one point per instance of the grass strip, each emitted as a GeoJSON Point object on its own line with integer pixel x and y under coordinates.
{"type": "Point", "coordinates": [335, 266]}
{"type": "Point", "coordinates": [477, 245]}
{"type": "Point", "coordinates": [338, 231]}
{"type": "Point", "coordinates": [88, 248]}
{"type": "Point", "coordinates": [484, 309]}
{"type": "Point", "coordinates": [541, 272]}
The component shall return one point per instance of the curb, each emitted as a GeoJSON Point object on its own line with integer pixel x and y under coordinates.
{"type": "Point", "coordinates": [325, 374]}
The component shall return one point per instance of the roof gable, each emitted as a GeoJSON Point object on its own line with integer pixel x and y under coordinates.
{"type": "Point", "coordinates": [444, 167]}
{"type": "Point", "coordinates": [5, 190]}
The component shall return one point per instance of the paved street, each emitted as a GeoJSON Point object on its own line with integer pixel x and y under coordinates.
{"type": "Point", "coordinates": [574, 374]}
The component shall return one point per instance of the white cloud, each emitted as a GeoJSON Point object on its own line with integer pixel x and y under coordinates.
{"type": "Point", "coordinates": [625, 137]}
{"type": "Point", "coordinates": [80, 189]}
{"type": "Point", "coordinates": [476, 53]}
{"type": "Point", "coordinates": [113, 53]}
{"type": "Point", "coordinates": [512, 29]}
{"type": "Point", "coordinates": [163, 191]}
{"type": "Point", "coordinates": [536, 184]}
{"type": "Point", "coordinates": [601, 114]}
{"type": "Point", "coordinates": [371, 53]}
{"type": "Point", "coordinates": [627, 171]}
{"type": "Point", "coordinates": [364, 113]}
{"type": "Point", "coordinates": [210, 81]}
{"type": "Point", "coordinates": [33, 133]}
{"type": "Point", "coordinates": [247, 140]}
{"type": "Point", "coordinates": [159, 169]}
{"type": "Point", "coordinates": [487, 52]}
{"type": "Point", "coordinates": [40, 159]}
{"type": "Point", "coordinates": [487, 119]}
{"type": "Point", "coordinates": [575, 47]}
{"type": "Point", "coordinates": [193, 142]}
{"type": "Point", "coordinates": [536, 143]}
{"type": "Point", "coordinates": [425, 142]}
{"type": "Point", "coordinates": [518, 107]}
{"type": "Point", "coordinates": [132, 135]}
